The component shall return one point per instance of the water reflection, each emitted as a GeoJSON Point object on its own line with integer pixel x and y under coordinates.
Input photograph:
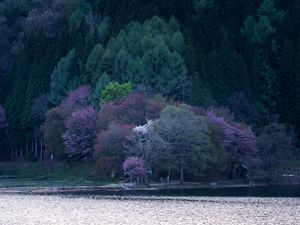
{"type": "Point", "coordinates": [263, 191]}
{"type": "Point", "coordinates": [143, 210]}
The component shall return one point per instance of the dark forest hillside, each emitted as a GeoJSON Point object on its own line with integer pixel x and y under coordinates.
{"type": "Point", "coordinates": [242, 55]}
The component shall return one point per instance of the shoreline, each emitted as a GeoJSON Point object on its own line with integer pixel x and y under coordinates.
{"type": "Point", "coordinates": [124, 188]}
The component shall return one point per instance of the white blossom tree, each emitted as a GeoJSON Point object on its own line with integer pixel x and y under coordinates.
{"type": "Point", "coordinates": [146, 143]}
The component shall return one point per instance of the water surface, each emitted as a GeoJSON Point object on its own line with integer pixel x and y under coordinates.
{"type": "Point", "coordinates": [147, 210]}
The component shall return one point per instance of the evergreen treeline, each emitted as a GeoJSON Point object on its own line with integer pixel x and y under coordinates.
{"type": "Point", "coordinates": [243, 55]}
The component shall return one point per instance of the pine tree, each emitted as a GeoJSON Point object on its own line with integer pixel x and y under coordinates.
{"type": "Point", "coordinates": [267, 8]}
{"type": "Point", "coordinates": [92, 67]}
{"type": "Point", "coordinates": [107, 63]}
{"type": "Point", "coordinates": [266, 88]}
{"type": "Point", "coordinates": [103, 30]}
{"type": "Point", "coordinates": [285, 85]}
{"type": "Point", "coordinates": [60, 77]}
{"type": "Point", "coordinates": [16, 99]}
{"type": "Point", "coordinates": [121, 61]}
{"type": "Point", "coordinates": [100, 86]}
{"type": "Point", "coordinates": [34, 88]}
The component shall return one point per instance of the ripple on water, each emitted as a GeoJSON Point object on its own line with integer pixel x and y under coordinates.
{"type": "Point", "coordinates": [94, 210]}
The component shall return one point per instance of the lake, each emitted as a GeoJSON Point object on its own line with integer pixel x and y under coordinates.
{"type": "Point", "coordinates": [188, 208]}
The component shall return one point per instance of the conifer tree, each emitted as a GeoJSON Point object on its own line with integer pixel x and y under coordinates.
{"type": "Point", "coordinates": [100, 86]}
{"type": "Point", "coordinates": [266, 88]}
{"type": "Point", "coordinates": [60, 77]}
{"type": "Point", "coordinates": [92, 67]}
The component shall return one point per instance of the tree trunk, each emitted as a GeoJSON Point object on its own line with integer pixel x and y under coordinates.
{"type": "Point", "coordinates": [181, 170]}
{"type": "Point", "coordinates": [11, 151]}
{"type": "Point", "coordinates": [27, 147]}
{"type": "Point", "coordinates": [169, 172]}
{"type": "Point", "coordinates": [271, 175]}
{"type": "Point", "coordinates": [231, 170]}
{"type": "Point", "coordinates": [32, 146]}
{"type": "Point", "coordinates": [35, 149]}
{"type": "Point", "coordinates": [16, 153]}
{"type": "Point", "coordinates": [41, 146]}
{"type": "Point", "coordinates": [183, 91]}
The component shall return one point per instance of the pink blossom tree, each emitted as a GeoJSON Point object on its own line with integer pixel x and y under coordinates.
{"type": "Point", "coordinates": [134, 167]}
{"type": "Point", "coordinates": [77, 99]}
{"type": "Point", "coordinates": [135, 109]}
{"type": "Point", "coordinates": [109, 150]}
{"type": "Point", "coordinates": [81, 132]}
{"type": "Point", "coordinates": [238, 140]}
{"type": "Point", "coordinates": [54, 125]}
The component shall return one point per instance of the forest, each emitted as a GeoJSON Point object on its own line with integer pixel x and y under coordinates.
{"type": "Point", "coordinates": [188, 90]}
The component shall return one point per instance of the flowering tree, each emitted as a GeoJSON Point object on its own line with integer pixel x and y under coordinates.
{"type": "Point", "coordinates": [81, 132]}
{"type": "Point", "coordinates": [146, 143]}
{"type": "Point", "coordinates": [54, 126]}
{"type": "Point", "coordinates": [134, 109]}
{"type": "Point", "coordinates": [109, 150]}
{"type": "Point", "coordinates": [77, 99]}
{"type": "Point", "coordinates": [134, 167]}
{"type": "Point", "coordinates": [2, 117]}
{"type": "Point", "coordinates": [238, 141]}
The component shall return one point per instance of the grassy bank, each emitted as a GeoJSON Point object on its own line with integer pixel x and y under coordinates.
{"type": "Point", "coordinates": [77, 176]}
{"type": "Point", "coordinates": [40, 174]}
